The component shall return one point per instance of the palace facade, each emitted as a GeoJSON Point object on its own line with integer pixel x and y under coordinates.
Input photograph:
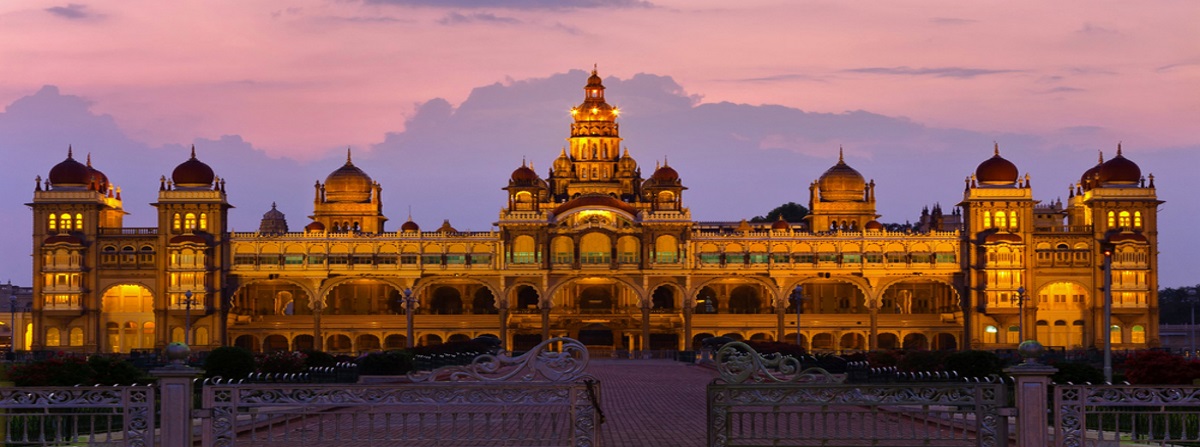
{"type": "Point", "coordinates": [596, 252]}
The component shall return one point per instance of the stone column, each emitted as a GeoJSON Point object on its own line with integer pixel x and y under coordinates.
{"type": "Point", "coordinates": [545, 323]}
{"type": "Point", "coordinates": [175, 394]}
{"type": "Point", "coordinates": [645, 327]}
{"type": "Point", "coordinates": [1032, 391]}
{"type": "Point", "coordinates": [687, 326]}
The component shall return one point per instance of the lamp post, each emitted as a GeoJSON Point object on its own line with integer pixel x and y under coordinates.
{"type": "Point", "coordinates": [1108, 316]}
{"type": "Point", "coordinates": [187, 325]}
{"type": "Point", "coordinates": [798, 299]}
{"type": "Point", "coordinates": [1020, 314]}
{"type": "Point", "coordinates": [408, 316]}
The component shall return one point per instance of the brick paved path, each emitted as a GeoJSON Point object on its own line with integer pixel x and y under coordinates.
{"type": "Point", "coordinates": [651, 403]}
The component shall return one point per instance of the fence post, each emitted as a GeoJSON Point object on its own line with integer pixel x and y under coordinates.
{"type": "Point", "coordinates": [1032, 392]}
{"type": "Point", "coordinates": [175, 397]}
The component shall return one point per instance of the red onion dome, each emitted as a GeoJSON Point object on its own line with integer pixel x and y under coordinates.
{"type": "Point", "coordinates": [70, 172]}
{"type": "Point", "coordinates": [996, 170]}
{"type": "Point", "coordinates": [410, 226]}
{"type": "Point", "coordinates": [1120, 171]}
{"type": "Point", "coordinates": [873, 225]}
{"type": "Point", "coordinates": [780, 225]}
{"type": "Point", "coordinates": [192, 173]}
{"type": "Point", "coordinates": [314, 227]}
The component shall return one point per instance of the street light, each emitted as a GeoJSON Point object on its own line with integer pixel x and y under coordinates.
{"type": "Point", "coordinates": [798, 299]}
{"type": "Point", "coordinates": [408, 315]}
{"type": "Point", "coordinates": [187, 325]}
{"type": "Point", "coordinates": [1020, 314]}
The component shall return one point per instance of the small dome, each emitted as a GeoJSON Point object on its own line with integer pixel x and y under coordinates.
{"type": "Point", "coordinates": [192, 173]}
{"type": "Point", "coordinates": [273, 213]}
{"type": "Point", "coordinates": [627, 163]}
{"type": "Point", "coordinates": [841, 183]}
{"type": "Point", "coordinates": [996, 170]}
{"type": "Point", "coordinates": [524, 175]}
{"type": "Point", "coordinates": [314, 227]}
{"type": "Point", "coordinates": [873, 225]}
{"type": "Point", "coordinates": [410, 226]}
{"type": "Point", "coordinates": [664, 174]}
{"type": "Point", "coordinates": [1120, 171]}
{"type": "Point", "coordinates": [780, 225]}
{"type": "Point", "coordinates": [348, 184]}
{"type": "Point", "coordinates": [70, 172]}
{"type": "Point", "coordinates": [97, 181]}
{"type": "Point", "coordinates": [562, 164]}
{"type": "Point", "coordinates": [446, 228]}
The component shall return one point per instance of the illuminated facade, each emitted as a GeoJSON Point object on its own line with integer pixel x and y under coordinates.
{"type": "Point", "coordinates": [596, 252]}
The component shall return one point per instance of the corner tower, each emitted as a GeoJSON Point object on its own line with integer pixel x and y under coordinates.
{"type": "Point", "coordinates": [593, 162]}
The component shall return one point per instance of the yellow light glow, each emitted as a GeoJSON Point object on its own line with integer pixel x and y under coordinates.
{"type": "Point", "coordinates": [586, 214]}
{"type": "Point", "coordinates": [574, 111]}
{"type": "Point", "coordinates": [595, 110]}
{"type": "Point", "coordinates": [616, 111]}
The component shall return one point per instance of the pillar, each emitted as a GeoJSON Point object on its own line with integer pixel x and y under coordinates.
{"type": "Point", "coordinates": [1032, 395]}
{"type": "Point", "coordinates": [175, 395]}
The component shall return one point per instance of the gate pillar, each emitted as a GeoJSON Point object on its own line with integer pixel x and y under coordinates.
{"type": "Point", "coordinates": [175, 388]}
{"type": "Point", "coordinates": [1032, 393]}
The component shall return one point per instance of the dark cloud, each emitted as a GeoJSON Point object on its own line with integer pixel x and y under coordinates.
{"type": "Point", "coordinates": [951, 21]}
{"type": "Point", "coordinates": [455, 18]}
{"type": "Point", "coordinates": [937, 72]}
{"type": "Point", "coordinates": [518, 4]}
{"type": "Point", "coordinates": [73, 11]}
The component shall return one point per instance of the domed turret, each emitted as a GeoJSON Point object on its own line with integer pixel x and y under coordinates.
{"type": "Point", "coordinates": [841, 183]}
{"type": "Point", "coordinates": [410, 226]}
{"type": "Point", "coordinates": [562, 164]}
{"type": "Point", "coordinates": [273, 222]}
{"type": "Point", "coordinates": [873, 225]}
{"type": "Point", "coordinates": [1119, 171]}
{"type": "Point", "coordinates": [524, 176]}
{"type": "Point", "coordinates": [780, 225]}
{"type": "Point", "coordinates": [1089, 177]}
{"type": "Point", "coordinates": [663, 175]}
{"type": "Point", "coordinates": [97, 181]}
{"type": "Point", "coordinates": [192, 173]}
{"type": "Point", "coordinates": [626, 163]}
{"type": "Point", "coordinates": [70, 172]}
{"type": "Point", "coordinates": [314, 227]}
{"type": "Point", "coordinates": [996, 171]}
{"type": "Point", "coordinates": [594, 108]}
{"type": "Point", "coordinates": [348, 184]}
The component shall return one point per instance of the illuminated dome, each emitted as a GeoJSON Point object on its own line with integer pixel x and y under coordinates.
{"type": "Point", "coordinates": [1088, 179]}
{"type": "Point", "coordinates": [996, 170]}
{"type": "Point", "coordinates": [192, 173]}
{"type": "Point", "coordinates": [524, 175]}
{"type": "Point", "coordinates": [873, 225]}
{"type": "Point", "coordinates": [594, 108]}
{"type": "Point", "coordinates": [562, 164]}
{"type": "Point", "coordinates": [664, 175]}
{"type": "Point", "coordinates": [780, 225]}
{"type": "Point", "coordinates": [594, 201]}
{"type": "Point", "coordinates": [841, 183]}
{"type": "Point", "coordinates": [410, 226]}
{"type": "Point", "coordinates": [348, 184]}
{"type": "Point", "coordinates": [70, 172]}
{"type": "Point", "coordinates": [1120, 171]}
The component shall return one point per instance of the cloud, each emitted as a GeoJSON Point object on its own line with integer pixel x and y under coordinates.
{"type": "Point", "coordinates": [455, 18]}
{"type": "Point", "coordinates": [784, 77]}
{"type": "Point", "coordinates": [72, 11]}
{"type": "Point", "coordinates": [951, 21]}
{"type": "Point", "coordinates": [1097, 30]}
{"type": "Point", "coordinates": [1064, 89]}
{"type": "Point", "coordinates": [937, 72]}
{"type": "Point", "coordinates": [1178, 66]}
{"type": "Point", "coordinates": [518, 4]}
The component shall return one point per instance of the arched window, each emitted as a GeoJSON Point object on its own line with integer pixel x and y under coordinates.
{"type": "Point", "coordinates": [991, 334]}
{"type": "Point", "coordinates": [1123, 220]}
{"type": "Point", "coordinates": [78, 221]}
{"type": "Point", "coordinates": [53, 223]}
{"type": "Point", "coordinates": [1012, 220]}
{"type": "Point", "coordinates": [178, 226]}
{"type": "Point", "coordinates": [53, 338]}
{"type": "Point", "coordinates": [1138, 335]}
{"type": "Point", "coordinates": [64, 221]}
{"type": "Point", "coordinates": [987, 219]}
{"type": "Point", "coordinates": [203, 221]}
{"type": "Point", "coordinates": [1112, 219]}
{"type": "Point", "coordinates": [1001, 221]}
{"type": "Point", "coordinates": [76, 336]}
{"type": "Point", "coordinates": [189, 221]}
{"type": "Point", "coordinates": [1137, 219]}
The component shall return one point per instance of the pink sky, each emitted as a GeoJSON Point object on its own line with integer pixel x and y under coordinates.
{"type": "Point", "coordinates": [299, 78]}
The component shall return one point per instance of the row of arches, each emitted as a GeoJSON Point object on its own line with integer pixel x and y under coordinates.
{"type": "Point", "coordinates": [347, 342]}
{"type": "Point", "coordinates": [819, 341]}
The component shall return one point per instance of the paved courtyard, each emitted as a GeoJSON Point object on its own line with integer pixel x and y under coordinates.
{"type": "Point", "coordinates": [657, 403]}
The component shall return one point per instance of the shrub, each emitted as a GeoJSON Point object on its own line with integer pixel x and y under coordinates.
{"type": "Point", "coordinates": [281, 362]}
{"type": "Point", "coordinates": [772, 347]}
{"type": "Point", "coordinates": [920, 361]}
{"type": "Point", "coordinates": [880, 359]}
{"type": "Point", "coordinates": [1160, 368]}
{"type": "Point", "coordinates": [110, 370]}
{"type": "Point", "coordinates": [1077, 373]}
{"type": "Point", "coordinates": [318, 359]}
{"type": "Point", "coordinates": [59, 370]}
{"type": "Point", "coordinates": [229, 362]}
{"type": "Point", "coordinates": [974, 363]}
{"type": "Point", "coordinates": [388, 363]}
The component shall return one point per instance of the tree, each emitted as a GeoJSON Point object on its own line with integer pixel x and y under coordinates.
{"type": "Point", "coordinates": [791, 212]}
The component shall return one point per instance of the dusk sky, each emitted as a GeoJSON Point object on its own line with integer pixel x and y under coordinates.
{"type": "Point", "coordinates": [749, 101]}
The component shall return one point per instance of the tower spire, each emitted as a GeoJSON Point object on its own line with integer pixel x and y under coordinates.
{"type": "Point", "coordinates": [193, 151]}
{"type": "Point", "coordinates": [841, 158]}
{"type": "Point", "coordinates": [348, 155]}
{"type": "Point", "coordinates": [1118, 148]}
{"type": "Point", "coordinates": [996, 149]}
{"type": "Point", "coordinates": [69, 150]}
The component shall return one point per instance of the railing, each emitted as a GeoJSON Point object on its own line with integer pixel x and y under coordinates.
{"type": "Point", "coordinates": [117, 416]}
{"type": "Point", "coordinates": [770, 401]}
{"type": "Point", "coordinates": [1113, 414]}
{"type": "Point", "coordinates": [540, 398]}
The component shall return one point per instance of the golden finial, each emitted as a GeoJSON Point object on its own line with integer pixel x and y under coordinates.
{"type": "Point", "coordinates": [1101, 157]}
{"type": "Point", "coordinates": [89, 159]}
{"type": "Point", "coordinates": [595, 68]}
{"type": "Point", "coordinates": [347, 154]}
{"type": "Point", "coordinates": [841, 158]}
{"type": "Point", "coordinates": [193, 151]}
{"type": "Point", "coordinates": [1118, 148]}
{"type": "Point", "coordinates": [996, 149]}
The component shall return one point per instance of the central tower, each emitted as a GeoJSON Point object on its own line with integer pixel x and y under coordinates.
{"type": "Point", "coordinates": [594, 164]}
